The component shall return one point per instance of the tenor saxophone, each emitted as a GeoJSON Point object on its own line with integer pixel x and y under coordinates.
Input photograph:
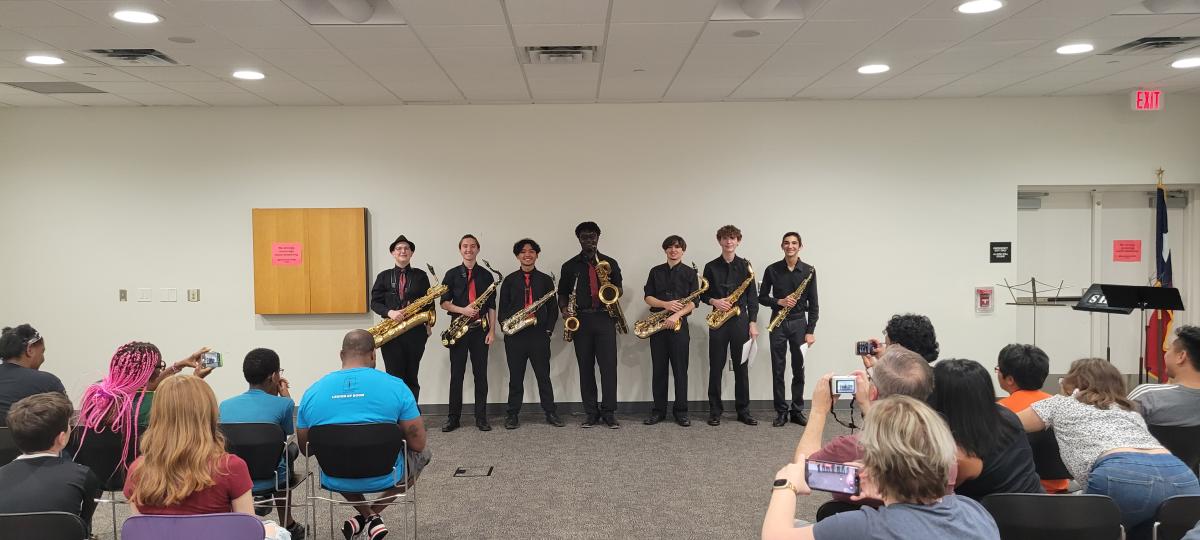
{"type": "Point", "coordinates": [462, 324]}
{"type": "Point", "coordinates": [412, 315]}
{"type": "Point", "coordinates": [718, 317]}
{"type": "Point", "coordinates": [656, 322]}
{"type": "Point", "coordinates": [570, 321]}
{"type": "Point", "coordinates": [525, 317]}
{"type": "Point", "coordinates": [783, 313]}
{"type": "Point", "coordinates": [610, 295]}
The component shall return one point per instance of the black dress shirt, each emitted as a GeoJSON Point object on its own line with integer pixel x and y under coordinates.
{"type": "Point", "coordinates": [48, 484]}
{"type": "Point", "coordinates": [385, 296]}
{"type": "Point", "coordinates": [723, 277]}
{"type": "Point", "coordinates": [666, 283]}
{"type": "Point", "coordinates": [513, 295]}
{"type": "Point", "coordinates": [458, 287]}
{"type": "Point", "coordinates": [778, 282]}
{"type": "Point", "coordinates": [578, 266]}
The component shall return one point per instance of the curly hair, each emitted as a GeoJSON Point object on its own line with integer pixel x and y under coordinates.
{"type": "Point", "coordinates": [915, 333]}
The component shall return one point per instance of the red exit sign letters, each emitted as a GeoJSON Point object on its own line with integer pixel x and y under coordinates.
{"type": "Point", "coordinates": [1147, 100]}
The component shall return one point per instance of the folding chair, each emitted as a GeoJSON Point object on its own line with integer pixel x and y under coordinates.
{"type": "Point", "coordinates": [1176, 516]}
{"type": "Point", "coordinates": [1029, 516]}
{"type": "Point", "coordinates": [263, 446]}
{"type": "Point", "coordinates": [1046, 457]}
{"type": "Point", "coordinates": [229, 526]}
{"type": "Point", "coordinates": [362, 451]}
{"type": "Point", "coordinates": [101, 452]}
{"type": "Point", "coordinates": [1183, 441]}
{"type": "Point", "coordinates": [8, 447]}
{"type": "Point", "coordinates": [43, 526]}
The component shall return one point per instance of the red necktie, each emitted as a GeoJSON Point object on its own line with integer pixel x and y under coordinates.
{"type": "Point", "coordinates": [594, 283]}
{"type": "Point", "coordinates": [528, 292]}
{"type": "Point", "coordinates": [471, 287]}
{"type": "Point", "coordinates": [402, 282]}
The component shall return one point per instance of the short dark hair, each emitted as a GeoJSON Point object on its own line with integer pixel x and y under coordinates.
{"type": "Point", "coordinates": [359, 342]}
{"type": "Point", "coordinates": [472, 237]}
{"type": "Point", "coordinates": [586, 227]}
{"type": "Point", "coordinates": [1028, 365]}
{"type": "Point", "coordinates": [517, 247]}
{"type": "Point", "coordinates": [729, 231]}
{"type": "Point", "coordinates": [674, 240]}
{"type": "Point", "coordinates": [411, 246]}
{"type": "Point", "coordinates": [37, 420]}
{"type": "Point", "coordinates": [791, 233]}
{"type": "Point", "coordinates": [1189, 339]}
{"type": "Point", "coordinates": [915, 333]}
{"type": "Point", "coordinates": [259, 364]}
{"type": "Point", "coordinates": [13, 341]}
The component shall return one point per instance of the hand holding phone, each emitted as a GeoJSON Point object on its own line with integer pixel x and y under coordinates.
{"type": "Point", "coordinates": [210, 360]}
{"type": "Point", "coordinates": [832, 477]}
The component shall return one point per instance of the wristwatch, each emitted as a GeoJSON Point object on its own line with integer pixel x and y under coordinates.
{"type": "Point", "coordinates": [784, 483]}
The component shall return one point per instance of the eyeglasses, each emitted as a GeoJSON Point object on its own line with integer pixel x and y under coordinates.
{"type": "Point", "coordinates": [162, 364]}
{"type": "Point", "coordinates": [32, 340]}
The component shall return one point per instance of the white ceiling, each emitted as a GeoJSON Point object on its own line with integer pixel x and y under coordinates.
{"type": "Point", "coordinates": [464, 51]}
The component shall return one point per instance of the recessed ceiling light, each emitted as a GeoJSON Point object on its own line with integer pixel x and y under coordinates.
{"type": "Point", "coordinates": [979, 6]}
{"type": "Point", "coordinates": [872, 69]}
{"type": "Point", "coordinates": [1184, 63]}
{"type": "Point", "coordinates": [249, 75]}
{"type": "Point", "coordinates": [136, 16]}
{"type": "Point", "coordinates": [44, 60]}
{"type": "Point", "coordinates": [747, 33]}
{"type": "Point", "coordinates": [1075, 48]}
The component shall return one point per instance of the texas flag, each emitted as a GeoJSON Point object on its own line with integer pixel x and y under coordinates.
{"type": "Point", "coordinates": [1158, 330]}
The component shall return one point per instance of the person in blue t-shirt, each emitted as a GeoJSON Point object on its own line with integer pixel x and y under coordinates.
{"type": "Point", "coordinates": [360, 394]}
{"type": "Point", "coordinates": [268, 401]}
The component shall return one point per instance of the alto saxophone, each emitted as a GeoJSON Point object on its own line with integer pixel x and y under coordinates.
{"type": "Point", "coordinates": [719, 317]}
{"type": "Point", "coordinates": [656, 322]}
{"type": "Point", "coordinates": [524, 318]}
{"type": "Point", "coordinates": [783, 313]}
{"type": "Point", "coordinates": [462, 324]}
{"type": "Point", "coordinates": [570, 321]}
{"type": "Point", "coordinates": [609, 295]}
{"type": "Point", "coordinates": [412, 315]}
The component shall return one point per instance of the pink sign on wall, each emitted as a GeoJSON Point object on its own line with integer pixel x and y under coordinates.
{"type": "Point", "coordinates": [1127, 250]}
{"type": "Point", "coordinates": [286, 253]}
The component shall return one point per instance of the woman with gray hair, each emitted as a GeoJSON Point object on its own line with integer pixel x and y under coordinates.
{"type": "Point", "coordinates": [908, 456]}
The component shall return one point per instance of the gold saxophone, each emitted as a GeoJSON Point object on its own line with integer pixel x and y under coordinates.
{"type": "Point", "coordinates": [413, 315]}
{"type": "Point", "coordinates": [718, 317]}
{"type": "Point", "coordinates": [462, 324]}
{"type": "Point", "coordinates": [524, 318]}
{"type": "Point", "coordinates": [609, 295]}
{"type": "Point", "coordinates": [783, 313]}
{"type": "Point", "coordinates": [570, 321]}
{"type": "Point", "coordinates": [655, 323]}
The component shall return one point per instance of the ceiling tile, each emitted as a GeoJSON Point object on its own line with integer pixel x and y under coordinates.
{"type": "Point", "coordinates": [533, 35]}
{"type": "Point", "coordinates": [171, 99]}
{"type": "Point", "coordinates": [11, 40]}
{"type": "Point", "coordinates": [624, 11]}
{"type": "Point", "coordinates": [129, 87]}
{"type": "Point", "coordinates": [286, 92]}
{"type": "Point", "coordinates": [71, 60]}
{"type": "Point", "coordinates": [451, 36]}
{"type": "Point", "coordinates": [644, 86]}
{"type": "Point", "coordinates": [926, 30]}
{"type": "Point", "coordinates": [1029, 64]}
{"type": "Point", "coordinates": [772, 87]}
{"type": "Point", "coordinates": [857, 33]}
{"type": "Point", "coordinates": [977, 84]}
{"type": "Point", "coordinates": [357, 93]}
{"type": "Point", "coordinates": [557, 11]}
{"type": "Point", "coordinates": [1077, 9]}
{"type": "Point", "coordinates": [275, 37]}
{"type": "Point", "coordinates": [1028, 29]}
{"type": "Point", "coordinates": [180, 73]}
{"type": "Point", "coordinates": [73, 37]}
{"type": "Point", "coordinates": [424, 89]}
{"type": "Point", "coordinates": [230, 99]}
{"type": "Point", "coordinates": [210, 87]}
{"type": "Point", "coordinates": [419, 12]}
{"type": "Point", "coordinates": [831, 92]}
{"type": "Point", "coordinates": [892, 10]}
{"type": "Point", "coordinates": [722, 32]}
{"type": "Point", "coordinates": [21, 74]}
{"type": "Point", "coordinates": [39, 14]}
{"type": "Point", "coordinates": [571, 82]}
{"type": "Point", "coordinates": [32, 99]}
{"type": "Point", "coordinates": [1133, 25]}
{"type": "Point", "coordinates": [313, 73]}
{"type": "Point", "coordinates": [90, 74]}
{"type": "Point", "coordinates": [942, 9]}
{"type": "Point", "coordinates": [286, 58]}
{"type": "Point", "coordinates": [100, 100]}
{"type": "Point", "coordinates": [222, 14]}
{"type": "Point", "coordinates": [231, 58]}
{"type": "Point", "coordinates": [369, 37]}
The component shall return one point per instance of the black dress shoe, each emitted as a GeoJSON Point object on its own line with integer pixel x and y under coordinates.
{"type": "Point", "coordinates": [654, 419]}
{"type": "Point", "coordinates": [590, 422]}
{"type": "Point", "coordinates": [682, 420]}
{"type": "Point", "coordinates": [611, 421]}
{"type": "Point", "coordinates": [799, 418]}
{"type": "Point", "coordinates": [511, 422]}
{"type": "Point", "coordinates": [714, 420]}
{"type": "Point", "coordinates": [483, 424]}
{"type": "Point", "coordinates": [451, 424]}
{"type": "Point", "coordinates": [554, 420]}
{"type": "Point", "coordinates": [781, 420]}
{"type": "Point", "coordinates": [745, 418]}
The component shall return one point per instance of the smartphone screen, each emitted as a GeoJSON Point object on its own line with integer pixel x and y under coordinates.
{"type": "Point", "coordinates": [211, 360]}
{"type": "Point", "coordinates": [831, 477]}
{"type": "Point", "coordinates": [844, 385]}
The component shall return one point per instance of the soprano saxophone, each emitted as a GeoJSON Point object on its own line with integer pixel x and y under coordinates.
{"type": "Point", "coordinates": [525, 317]}
{"type": "Point", "coordinates": [783, 313]}
{"type": "Point", "coordinates": [412, 315]}
{"type": "Point", "coordinates": [462, 324]}
{"type": "Point", "coordinates": [719, 317]}
{"type": "Point", "coordinates": [610, 295]}
{"type": "Point", "coordinates": [656, 322]}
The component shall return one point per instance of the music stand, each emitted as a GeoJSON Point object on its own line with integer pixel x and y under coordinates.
{"type": "Point", "coordinates": [1093, 300]}
{"type": "Point", "coordinates": [1142, 298]}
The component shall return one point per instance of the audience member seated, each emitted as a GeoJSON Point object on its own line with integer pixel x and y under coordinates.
{"type": "Point", "coordinates": [911, 331]}
{"type": "Point", "coordinates": [356, 394]}
{"type": "Point", "coordinates": [908, 454]}
{"type": "Point", "coordinates": [23, 351]}
{"type": "Point", "coordinates": [1178, 403]}
{"type": "Point", "coordinates": [1022, 370]}
{"type": "Point", "coordinates": [267, 401]}
{"type": "Point", "coordinates": [40, 479]}
{"type": "Point", "coordinates": [1105, 444]}
{"type": "Point", "coordinates": [993, 452]}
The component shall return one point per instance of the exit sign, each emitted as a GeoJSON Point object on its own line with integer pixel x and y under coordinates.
{"type": "Point", "coordinates": [1147, 100]}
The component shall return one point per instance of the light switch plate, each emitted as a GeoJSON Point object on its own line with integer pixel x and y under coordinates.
{"type": "Point", "coordinates": [122, 295]}
{"type": "Point", "coordinates": [145, 294]}
{"type": "Point", "coordinates": [170, 295]}
{"type": "Point", "coordinates": [193, 295]}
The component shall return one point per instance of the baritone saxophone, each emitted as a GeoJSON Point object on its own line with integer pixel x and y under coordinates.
{"type": "Point", "coordinates": [610, 296]}
{"type": "Point", "coordinates": [411, 316]}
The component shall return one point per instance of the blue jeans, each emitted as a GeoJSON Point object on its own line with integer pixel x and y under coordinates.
{"type": "Point", "coordinates": [1139, 483]}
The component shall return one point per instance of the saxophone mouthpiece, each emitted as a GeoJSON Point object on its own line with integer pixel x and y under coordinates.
{"type": "Point", "coordinates": [431, 271]}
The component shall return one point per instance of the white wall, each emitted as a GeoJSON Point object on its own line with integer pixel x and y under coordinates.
{"type": "Point", "coordinates": [896, 201]}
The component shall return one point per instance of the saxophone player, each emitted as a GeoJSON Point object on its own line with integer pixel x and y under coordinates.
{"type": "Point", "coordinates": [596, 340]}
{"type": "Point", "coordinates": [665, 286]}
{"type": "Point", "coordinates": [393, 290]}
{"type": "Point", "coordinates": [725, 274]}
{"type": "Point", "coordinates": [521, 289]}
{"type": "Point", "coordinates": [464, 283]}
{"type": "Point", "coordinates": [780, 282]}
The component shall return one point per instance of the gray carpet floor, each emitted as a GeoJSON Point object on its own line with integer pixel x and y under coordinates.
{"type": "Point", "coordinates": [639, 481]}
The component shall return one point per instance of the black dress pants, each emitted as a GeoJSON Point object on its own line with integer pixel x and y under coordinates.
{"type": "Point", "coordinates": [472, 344]}
{"type": "Point", "coordinates": [670, 349]}
{"type": "Point", "coordinates": [789, 336]}
{"type": "Point", "coordinates": [402, 357]}
{"type": "Point", "coordinates": [725, 344]}
{"type": "Point", "coordinates": [596, 345]}
{"type": "Point", "coordinates": [532, 345]}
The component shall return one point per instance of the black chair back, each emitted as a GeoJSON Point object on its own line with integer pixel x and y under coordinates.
{"type": "Point", "coordinates": [1176, 516]}
{"type": "Point", "coordinates": [356, 450]}
{"type": "Point", "coordinates": [43, 525]}
{"type": "Point", "coordinates": [260, 445]}
{"type": "Point", "coordinates": [1183, 441]}
{"type": "Point", "coordinates": [1046, 458]}
{"type": "Point", "coordinates": [101, 452]}
{"type": "Point", "coordinates": [1027, 516]}
{"type": "Point", "coordinates": [8, 447]}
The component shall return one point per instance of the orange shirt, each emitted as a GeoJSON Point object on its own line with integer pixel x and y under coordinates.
{"type": "Point", "coordinates": [1019, 401]}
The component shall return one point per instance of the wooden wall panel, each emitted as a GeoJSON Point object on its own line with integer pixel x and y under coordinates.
{"type": "Point", "coordinates": [332, 275]}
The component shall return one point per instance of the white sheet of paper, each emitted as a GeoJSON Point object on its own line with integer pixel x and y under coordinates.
{"type": "Point", "coordinates": [749, 350]}
{"type": "Point", "coordinates": [804, 350]}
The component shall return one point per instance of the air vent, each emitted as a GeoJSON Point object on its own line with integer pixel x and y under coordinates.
{"type": "Point", "coordinates": [130, 57]}
{"type": "Point", "coordinates": [56, 87]}
{"type": "Point", "coordinates": [1154, 46]}
{"type": "Point", "coordinates": [561, 54]}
